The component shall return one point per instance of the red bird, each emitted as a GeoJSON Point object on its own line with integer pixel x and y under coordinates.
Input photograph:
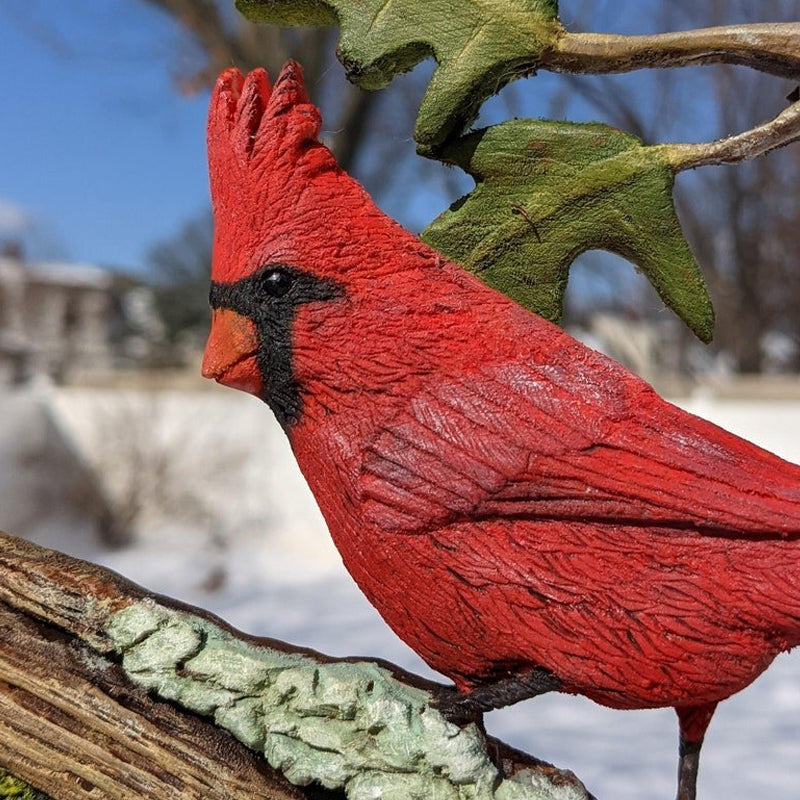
{"type": "Point", "coordinates": [523, 511]}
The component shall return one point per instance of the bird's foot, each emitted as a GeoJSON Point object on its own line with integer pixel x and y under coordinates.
{"type": "Point", "coordinates": [459, 708]}
{"type": "Point", "coordinates": [462, 708]}
{"type": "Point", "coordinates": [687, 770]}
{"type": "Point", "coordinates": [693, 722]}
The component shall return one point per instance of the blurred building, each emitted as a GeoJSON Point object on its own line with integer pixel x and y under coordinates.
{"type": "Point", "coordinates": [54, 319]}
{"type": "Point", "coordinates": [63, 322]}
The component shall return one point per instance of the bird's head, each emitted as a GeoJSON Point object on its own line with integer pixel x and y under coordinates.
{"type": "Point", "coordinates": [312, 286]}
{"type": "Point", "coordinates": [257, 135]}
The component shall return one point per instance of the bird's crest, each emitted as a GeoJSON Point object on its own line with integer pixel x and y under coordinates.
{"type": "Point", "coordinates": [250, 122]}
{"type": "Point", "coordinates": [262, 149]}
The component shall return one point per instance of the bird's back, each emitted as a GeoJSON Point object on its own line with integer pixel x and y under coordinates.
{"type": "Point", "coordinates": [541, 506]}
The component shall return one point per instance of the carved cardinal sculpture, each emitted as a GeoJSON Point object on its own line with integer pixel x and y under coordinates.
{"type": "Point", "coordinates": [523, 511]}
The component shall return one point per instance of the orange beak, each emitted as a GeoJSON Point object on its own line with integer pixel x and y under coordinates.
{"type": "Point", "coordinates": [230, 354]}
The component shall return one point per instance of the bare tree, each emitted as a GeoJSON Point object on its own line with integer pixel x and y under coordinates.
{"type": "Point", "coordinates": [214, 37]}
{"type": "Point", "coordinates": [182, 266]}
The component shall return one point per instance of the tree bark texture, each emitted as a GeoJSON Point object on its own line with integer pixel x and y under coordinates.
{"type": "Point", "coordinates": [72, 724]}
{"type": "Point", "coordinates": [769, 47]}
{"type": "Point", "coordinates": [83, 716]}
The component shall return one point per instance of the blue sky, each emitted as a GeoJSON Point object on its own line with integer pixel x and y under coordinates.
{"type": "Point", "coordinates": [99, 156]}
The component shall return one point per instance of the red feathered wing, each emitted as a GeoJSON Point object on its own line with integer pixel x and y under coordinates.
{"type": "Point", "coordinates": [586, 443]}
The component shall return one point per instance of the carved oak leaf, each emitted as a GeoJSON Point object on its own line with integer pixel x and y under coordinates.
{"type": "Point", "coordinates": [479, 46]}
{"type": "Point", "coordinates": [547, 192]}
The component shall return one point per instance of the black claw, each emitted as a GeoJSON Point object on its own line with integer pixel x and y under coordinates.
{"type": "Point", "coordinates": [463, 708]}
{"type": "Point", "coordinates": [458, 708]}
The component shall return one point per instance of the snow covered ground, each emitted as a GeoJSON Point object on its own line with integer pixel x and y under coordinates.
{"type": "Point", "coordinates": [232, 528]}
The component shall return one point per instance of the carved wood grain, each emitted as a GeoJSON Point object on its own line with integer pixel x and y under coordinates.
{"type": "Point", "coordinates": [74, 726]}
{"type": "Point", "coordinates": [71, 723]}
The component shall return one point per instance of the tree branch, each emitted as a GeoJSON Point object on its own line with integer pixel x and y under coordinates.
{"type": "Point", "coordinates": [107, 692]}
{"type": "Point", "coordinates": [71, 721]}
{"type": "Point", "coordinates": [777, 133]}
{"type": "Point", "coordinates": [222, 47]}
{"type": "Point", "coordinates": [767, 47]}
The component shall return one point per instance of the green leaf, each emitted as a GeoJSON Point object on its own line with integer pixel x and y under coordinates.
{"type": "Point", "coordinates": [548, 191]}
{"type": "Point", "coordinates": [480, 45]}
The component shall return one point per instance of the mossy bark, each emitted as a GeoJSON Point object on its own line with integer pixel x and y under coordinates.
{"type": "Point", "coordinates": [109, 692]}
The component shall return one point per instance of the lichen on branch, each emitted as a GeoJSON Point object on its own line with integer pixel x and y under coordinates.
{"type": "Point", "coordinates": [131, 695]}
{"type": "Point", "coordinates": [11, 787]}
{"type": "Point", "coordinates": [347, 725]}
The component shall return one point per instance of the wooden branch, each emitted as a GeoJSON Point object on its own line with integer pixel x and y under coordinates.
{"type": "Point", "coordinates": [107, 692]}
{"type": "Point", "coordinates": [72, 724]}
{"type": "Point", "coordinates": [767, 47]}
{"type": "Point", "coordinates": [779, 132]}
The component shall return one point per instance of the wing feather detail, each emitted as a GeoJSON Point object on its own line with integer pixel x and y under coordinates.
{"type": "Point", "coordinates": [544, 442]}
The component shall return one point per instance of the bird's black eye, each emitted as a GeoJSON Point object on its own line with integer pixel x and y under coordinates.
{"type": "Point", "coordinates": [277, 282]}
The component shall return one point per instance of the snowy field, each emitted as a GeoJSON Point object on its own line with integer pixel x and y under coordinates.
{"type": "Point", "coordinates": [242, 537]}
